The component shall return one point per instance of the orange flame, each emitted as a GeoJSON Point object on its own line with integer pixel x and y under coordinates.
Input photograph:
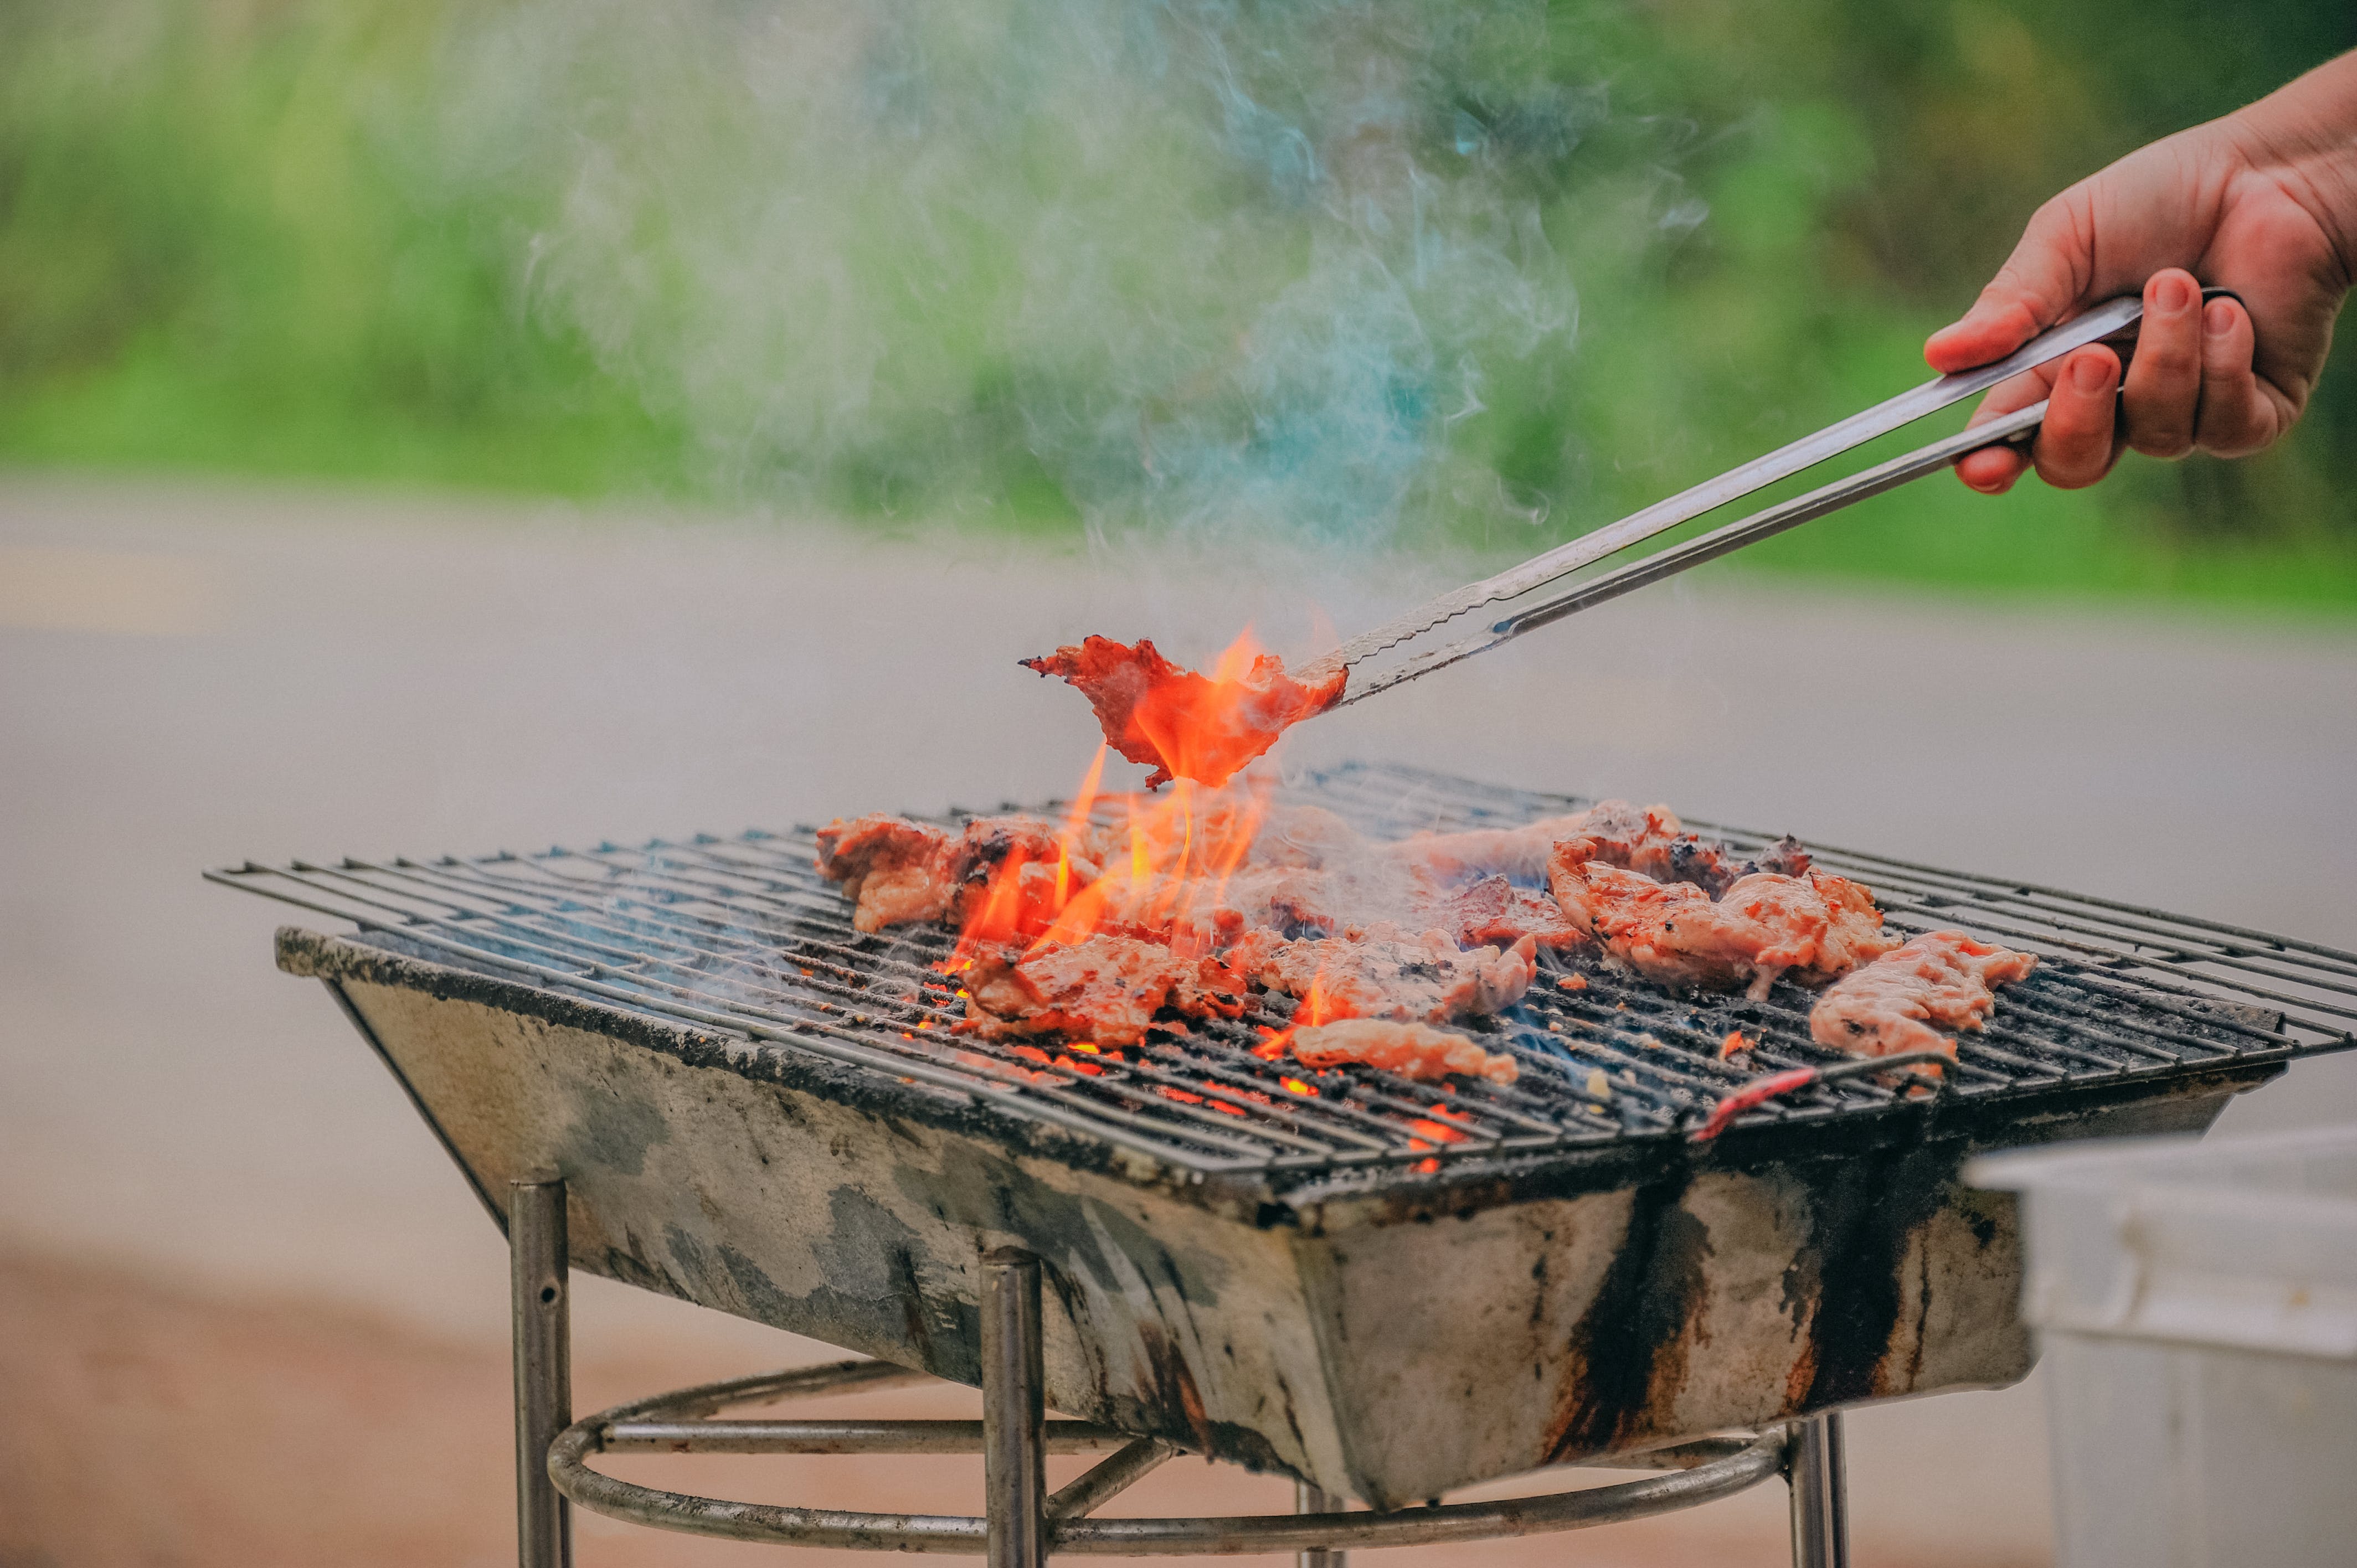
{"type": "Point", "coordinates": [1156, 865]}
{"type": "Point", "coordinates": [1317, 1007]}
{"type": "Point", "coordinates": [1204, 729]}
{"type": "Point", "coordinates": [1076, 827]}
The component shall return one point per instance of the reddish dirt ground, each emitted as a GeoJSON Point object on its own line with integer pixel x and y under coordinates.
{"type": "Point", "coordinates": [149, 1429]}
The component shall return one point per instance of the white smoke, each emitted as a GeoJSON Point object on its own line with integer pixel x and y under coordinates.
{"type": "Point", "coordinates": [1243, 270]}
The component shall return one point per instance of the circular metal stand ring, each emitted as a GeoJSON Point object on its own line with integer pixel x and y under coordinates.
{"type": "Point", "coordinates": [1744, 1466]}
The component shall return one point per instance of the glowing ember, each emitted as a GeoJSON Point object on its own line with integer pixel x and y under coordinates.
{"type": "Point", "coordinates": [1186, 724]}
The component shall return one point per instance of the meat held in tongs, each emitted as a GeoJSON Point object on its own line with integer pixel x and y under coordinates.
{"type": "Point", "coordinates": [1188, 725]}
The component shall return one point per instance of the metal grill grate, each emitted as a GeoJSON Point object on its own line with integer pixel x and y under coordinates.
{"type": "Point", "coordinates": [740, 936]}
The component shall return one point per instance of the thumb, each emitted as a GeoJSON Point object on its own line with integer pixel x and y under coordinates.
{"type": "Point", "coordinates": [2041, 283]}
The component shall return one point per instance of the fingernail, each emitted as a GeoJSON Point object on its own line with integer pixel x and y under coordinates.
{"type": "Point", "coordinates": [2173, 294]}
{"type": "Point", "coordinates": [2218, 319]}
{"type": "Point", "coordinates": [2089, 374]}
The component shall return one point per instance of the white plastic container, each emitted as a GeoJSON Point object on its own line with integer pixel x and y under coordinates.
{"type": "Point", "coordinates": [2196, 1304]}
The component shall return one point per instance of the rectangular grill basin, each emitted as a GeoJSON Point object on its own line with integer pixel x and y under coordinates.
{"type": "Point", "coordinates": [760, 1110]}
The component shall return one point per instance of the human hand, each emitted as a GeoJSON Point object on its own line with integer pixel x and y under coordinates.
{"type": "Point", "coordinates": [2264, 203]}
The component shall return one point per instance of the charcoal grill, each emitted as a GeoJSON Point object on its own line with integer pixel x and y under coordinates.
{"type": "Point", "coordinates": [1382, 1288]}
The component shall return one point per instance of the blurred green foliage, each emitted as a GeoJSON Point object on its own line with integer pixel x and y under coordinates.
{"type": "Point", "coordinates": [212, 257]}
{"type": "Point", "coordinates": [228, 243]}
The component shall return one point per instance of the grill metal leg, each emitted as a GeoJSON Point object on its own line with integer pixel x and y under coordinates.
{"type": "Point", "coordinates": [1013, 1414]}
{"type": "Point", "coordinates": [1820, 1498]}
{"type": "Point", "coordinates": [1307, 1498]}
{"type": "Point", "coordinates": [544, 1366]}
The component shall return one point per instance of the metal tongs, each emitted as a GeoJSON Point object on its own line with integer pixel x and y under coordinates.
{"type": "Point", "coordinates": [2112, 320]}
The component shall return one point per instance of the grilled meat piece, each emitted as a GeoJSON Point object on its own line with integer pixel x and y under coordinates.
{"type": "Point", "coordinates": [1409, 1050]}
{"type": "Point", "coordinates": [1351, 898]}
{"type": "Point", "coordinates": [1816, 927]}
{"type": "Point", "coordinates": [1292, 899]}
{"type": "Point", "coordinates": [1941, 978]}
{"type": "Point", "coordinates": [897, 871]}
{"type": "Point", "coordinates": [1785, 857]}
{"type": "Point", "coordinates": [1350, 901]}
{"type": "Point", "coordinates": [1308, 874]}
{"type": "Point", "coordinates": [1654, 843]}
{"type": "Point", "coordinates": [989, 842]}
{"type": "Point", "coordinates": [1520, 853]}
{"type": "Point", "coordinates": [1494, 910]}
{"type": "Point", "coordinates": [1186, 724]}
{"type": "Point", "coordinates": [1007, 877]}
{"type": "Point", "coordinates": [894, 870]}
{"type": "Point", "coordinates": [1853, 933]}
{"type": "Point", "coordinates": [1651, 841]}
{"type": "Point", "coordinates": [1106, 989]}
{"type": "Point", "coordinates": [1388, 974]}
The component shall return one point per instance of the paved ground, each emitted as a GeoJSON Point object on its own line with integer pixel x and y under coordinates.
{"type": "Point", "coordinates": [248, 1314]}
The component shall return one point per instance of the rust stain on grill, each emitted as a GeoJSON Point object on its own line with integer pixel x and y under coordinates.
{"type": "Point", "coordinates": [1797, 1381]}
{"type": "Point", "coordinates": [1176, 1376]}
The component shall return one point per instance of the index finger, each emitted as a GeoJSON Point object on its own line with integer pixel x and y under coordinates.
{"type": "Point", "coordinates": [2040, 285]}
{"type": "Point", "coordinates": [1992, 470]}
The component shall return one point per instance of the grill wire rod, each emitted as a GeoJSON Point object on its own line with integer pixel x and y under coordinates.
{"type": "Point", "coordinates": [738, 938]}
